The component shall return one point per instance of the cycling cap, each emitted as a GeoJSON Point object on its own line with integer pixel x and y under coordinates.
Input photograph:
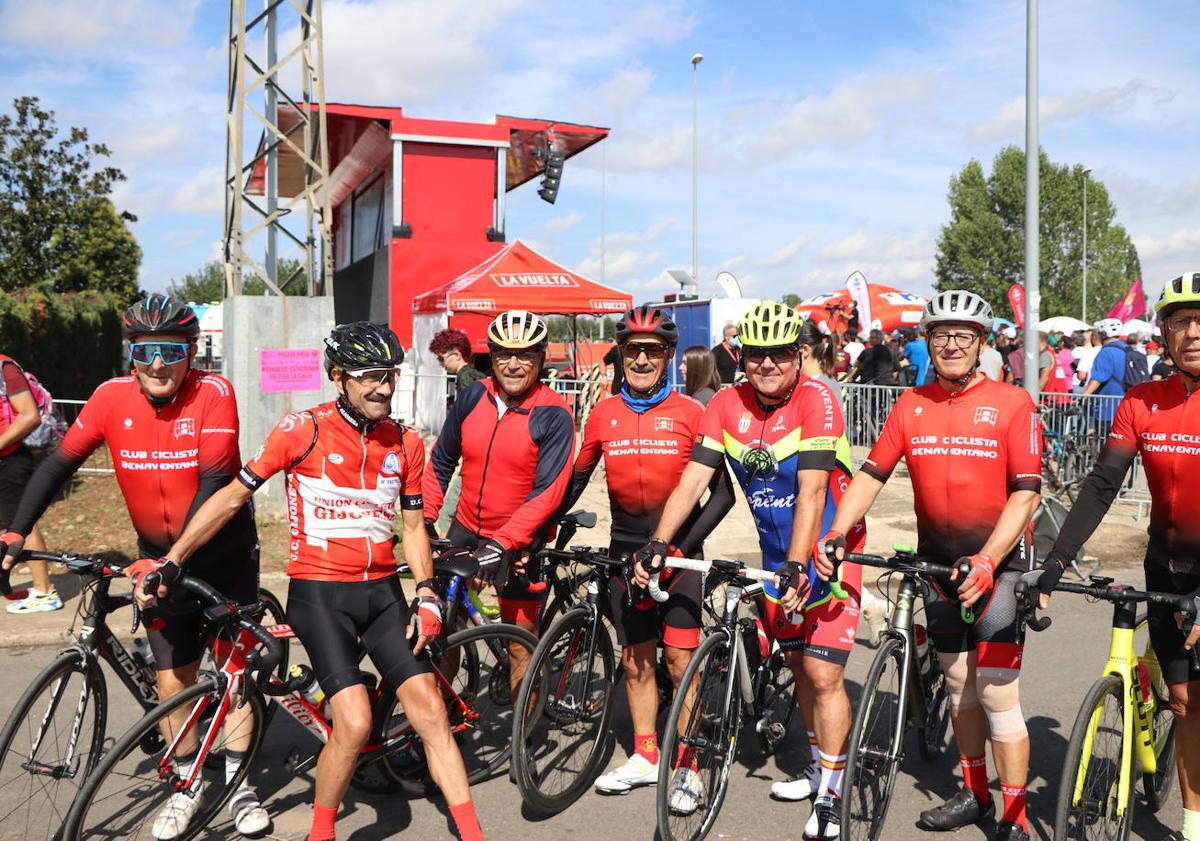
{"type": "Point", "coordinates": [770, 324]}
{"type": "Point", "coordinates": [957, 306]}
{"type": "Point", "coordinates": [518, 330]}
{"type": "Point", "coordinates": [1182, 291]}
{"type": "Point", "coordinates": [646, 320]}
{"type": "Point", "coordinates": [360, 346]}
{"type": "Point", "coordinates": [1110, 328]}
{"type": "Point", "coordinates": [159, 314]}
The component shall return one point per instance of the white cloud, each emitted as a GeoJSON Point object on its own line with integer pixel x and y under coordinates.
{"type": "Point", "coordinates": [562, 223]}
{"type": "Point", "coordinates": [202, 193]}
{"type": "Point", "coordinates": [95, 26]}
{"type": "Point", "coordinates": [849, 246]}
{"type": "Point", "coordinates": [1181, 242]}
{"type": "Point", "coordinates": [784, 255]}
{"type": "Point", "coordinates": [1009, 121]}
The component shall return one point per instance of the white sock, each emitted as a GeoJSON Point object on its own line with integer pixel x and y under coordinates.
{"type": "Point", "coordinates": [812, 746]}
{"type": "Point", "coordinates": [832, 768]}
{"type": "Point", "coordinates": [183, 765]}
{"type": "Point", "coordinates": [1191, 825]}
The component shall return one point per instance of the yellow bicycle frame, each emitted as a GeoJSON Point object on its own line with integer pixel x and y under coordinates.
{"type": "Point", "coordinates": [1138, 736]}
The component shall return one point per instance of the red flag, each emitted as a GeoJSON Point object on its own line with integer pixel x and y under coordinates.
{"type": "Point", "coordinates": [1016, 297]}
{"type": "Point", "coordinates": [1133, 305]}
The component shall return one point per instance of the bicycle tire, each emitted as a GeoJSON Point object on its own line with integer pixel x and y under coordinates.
{"type": "Point", "coordinates": [720, 686]}
{"type": "Point", "coordinates": [484, 734]}
{"type": "Point", "coordinates": [1068, 822]}
{"type": "Point", "coordinates": [557, 605]}
{"type": "Point", "coordinates": [131, 816]}
{"type": "Point", "coordinates": [863, 761]}
{"type": "Point", "coordinates": [46, 797]}
{"type": "Point", "coordinates": [931, 738]}
{"type": "Point", "coordinates": [1156, 787]}
{"type": "Point", "coordinates": [558, 711]}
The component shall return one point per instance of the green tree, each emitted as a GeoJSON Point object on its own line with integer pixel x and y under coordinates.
{"type": "Point", "coordinates": [56, 222]}
{"type": "Point", "coordinates": [982, 247]}
{"type": "Point", "coordinates": [207, 284]}
{"type": "Point", "coordinates": [791, 299]}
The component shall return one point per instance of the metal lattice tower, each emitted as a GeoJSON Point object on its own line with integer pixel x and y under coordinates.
{"type": "Point", "coordinates": [260, 197]}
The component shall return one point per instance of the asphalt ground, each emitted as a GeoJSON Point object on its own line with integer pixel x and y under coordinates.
{"type": "Point", "coordinates": [1059, 665]}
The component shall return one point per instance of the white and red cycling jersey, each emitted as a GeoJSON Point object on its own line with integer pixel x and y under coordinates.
{"type": "Point", "coordinates": [344, 478]}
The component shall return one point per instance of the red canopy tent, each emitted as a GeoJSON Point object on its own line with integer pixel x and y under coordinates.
{"type": "Point", "coordinates": [890, 308]}
{"type": "Point", "coordinates": [517, 278]}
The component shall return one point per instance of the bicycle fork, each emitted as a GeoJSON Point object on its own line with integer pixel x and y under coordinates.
{"type": "Point", "coordinates": [911, 710]}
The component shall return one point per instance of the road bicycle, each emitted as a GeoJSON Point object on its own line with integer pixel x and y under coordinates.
{"type": "Point", "coordinates": [734, 682]}
{"type": "Point", "coordinates": [1125, 725]}
{"type": "Point", "coordinates": [905, 690]}
{"type": "Point", "coordinates": [131, 786]}
{"type": "Point", "coordinates": [57, 730]}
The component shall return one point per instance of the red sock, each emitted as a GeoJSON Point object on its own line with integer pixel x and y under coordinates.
{"type": "Point", "coordinates": [465, 822]}
{"type": "Point", "coordinates": [686, 757]}
{"type": "Point", "coordinates": [646, 746]}
{"type": "Point", "coordinates": [974, 770]}
{"type": "Point", "coordinates": [1014, 805]}
{"type": "Point", "coordinates": [322, 823]}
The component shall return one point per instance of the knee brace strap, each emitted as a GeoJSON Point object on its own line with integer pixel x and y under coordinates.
{"type": "Point", "coordinates": [1000, 697]}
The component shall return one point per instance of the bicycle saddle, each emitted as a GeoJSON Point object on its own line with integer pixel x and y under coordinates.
{"type": "Point", "coordinates": [457, 562]}
{"type": "Point", "coordinates": [580, 519]}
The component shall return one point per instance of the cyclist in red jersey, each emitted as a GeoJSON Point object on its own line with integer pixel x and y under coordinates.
{"type": "Point", "coordinates": [973, 449]}
{"type": "Point", "coordinates": [1160, 421]}
{"type": "Point", "coordinates": [645, 436]}
{"type": "Point", "coordinates": [172, 432]}
{"type": "Point", "coordinates": [514, 437]}
{"type": "Point", "coordinates": [347, 464]}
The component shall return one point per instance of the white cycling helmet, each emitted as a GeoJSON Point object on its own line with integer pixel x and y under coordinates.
{"type": "Point", "coordinates": [957, 306]}
{"type": "Point", "coordinates": [1110, 328]}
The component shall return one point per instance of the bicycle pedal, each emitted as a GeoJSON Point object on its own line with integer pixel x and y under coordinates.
{"type": "Point", "coordinates": [297, 764]}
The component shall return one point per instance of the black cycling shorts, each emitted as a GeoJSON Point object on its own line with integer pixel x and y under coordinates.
{"type": "Point", "coordinates": [175, 626]}
{"type": "Point", "coordinates": [15, 470]}
{"type": "Point", "coordinates": [336, 620]}
{"type": "Point", "coordinates": [995, 636]}
{"type": "Point", "coordinates": [678, 616]}
{"type": "Point", "coordinates": [1165, 635]}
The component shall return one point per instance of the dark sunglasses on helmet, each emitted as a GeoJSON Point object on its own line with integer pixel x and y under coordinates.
{"type": "Point", "coordinates": [171, 353]}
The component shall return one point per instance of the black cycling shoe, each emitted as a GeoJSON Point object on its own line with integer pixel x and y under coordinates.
{"type": "Point", "coordinates": [960, 810]}
{"type": "Point", "coordinates": [1006, 831]}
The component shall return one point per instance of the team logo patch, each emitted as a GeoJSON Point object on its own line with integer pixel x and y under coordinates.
{"type": "Point", "coordinates": [986, 414]}
{"type": "Point", "coordinates": [778, 425]}
{"type": "Point", "coordinates": [664, 424]}
{"type": "Point", "coordinates": [614, 421]}
{"type": "Point", "coordinates": [185, 427]}
{"type": "Point", "coordinates": [336, 458]}
{"type": "Point", "coordinates": [759, 462]}
{"type": "Point", "coordinates": [128, 423]}
{"type": "Point", "coordinates": [744, 423]}
{"type": "Point", "coordinates": [391, 464]}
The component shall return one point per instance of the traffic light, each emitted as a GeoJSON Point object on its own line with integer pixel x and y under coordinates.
{"type": "Point", "coordinates": [553, 176]}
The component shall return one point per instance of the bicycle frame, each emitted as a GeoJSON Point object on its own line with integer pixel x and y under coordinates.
{"type": "Point", "coordinates": [97, 639]}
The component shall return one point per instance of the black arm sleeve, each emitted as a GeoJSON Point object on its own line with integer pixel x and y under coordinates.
{"type": "Point", "coordinates": [1096, 495]}
{"type": "Point", "coordinates": [579, 481]}
{"type": "Point", "coordinates": [208, 485]}
{"type": "Point", "coordinates": [690, 538]}
{"type": "Point", "coordinates": [42, 488]}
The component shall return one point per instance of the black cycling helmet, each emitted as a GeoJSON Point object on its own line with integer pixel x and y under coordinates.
{"type": "Point", "coordinates": [159, 314]}
{"type": "Point", "coordinates": [360, 346]}
{"type": "Point", "coordinates": [646, 320]}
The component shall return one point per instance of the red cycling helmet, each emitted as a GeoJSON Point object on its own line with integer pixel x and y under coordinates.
{"type": "Point", "coordinates": [646, 320]}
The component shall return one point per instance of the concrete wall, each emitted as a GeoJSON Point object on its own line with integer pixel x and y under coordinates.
{"type": "Point", "coordinates": [254, 323]}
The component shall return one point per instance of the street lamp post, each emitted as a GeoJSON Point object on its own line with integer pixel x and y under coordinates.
{"type": "Point", "coordinates": [1086, 171]}
{"type": "Point", "coordinates": [696, 59]}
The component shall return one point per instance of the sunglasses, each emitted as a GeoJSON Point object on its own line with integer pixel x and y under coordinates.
{"type": "Point", "coordinates": [779, 353]}
{"type": "Point", "coordinates": [525, 358]}
{"type": "Point", "coordinates": [653, 350]}
{"type": "Point", "coordinates": [171, 353]}
{"type": "Point", "coordinates": [374, 376]}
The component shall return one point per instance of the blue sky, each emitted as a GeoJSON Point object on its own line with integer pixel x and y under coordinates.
{"type": "Point", "coordinates": [829, 131]}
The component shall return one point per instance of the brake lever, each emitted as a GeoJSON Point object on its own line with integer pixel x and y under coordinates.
{"type": "Point", "coordinates": [835, 580]}
{"type": "Point", "coordinates": [137, 618]}
{"type": "Point", "coordinates": [1028, 603]}
{"type": "Point", "coordinates": [1189, 608]}
{"type": "Point", "coordinates": [967, 613]}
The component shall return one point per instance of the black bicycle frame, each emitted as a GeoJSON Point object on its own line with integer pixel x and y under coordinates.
{"type": "Point", "coordinates": [96, 639]}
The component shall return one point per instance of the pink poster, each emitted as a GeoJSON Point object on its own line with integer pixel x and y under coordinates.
{"type": "Point", "coordinates": [293, 369]}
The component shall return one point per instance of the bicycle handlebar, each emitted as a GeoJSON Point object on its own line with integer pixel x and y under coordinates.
{"type": "Point", "coordinates": [905, 562]}
{"type": "Point", "coordinates": [729, 569]}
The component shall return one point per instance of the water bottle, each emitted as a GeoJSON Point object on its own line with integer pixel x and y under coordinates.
{"type": "Point", "coordinates": [312, 691]}
{"type": "Point", "coordinates": [141, 653]}
{"type": "Point", "coordinates": [924, 660]}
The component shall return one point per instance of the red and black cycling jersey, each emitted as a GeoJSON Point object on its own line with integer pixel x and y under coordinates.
{"type": "Point", "coordinates": [516, 462]}
{"type": "Point", "coordinates": [168, 459]}
{"type": "Point", "coordinates": [1160, 421]}
{"type": "Point", "coordinates": [966, 452]}
{"type": "Point", "coordinates": [344, 478]}
{"type": "Point", "coordinates": [644, 456]}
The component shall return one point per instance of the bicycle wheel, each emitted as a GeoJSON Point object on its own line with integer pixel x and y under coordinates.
{"type": "Point", "coordinates": [1094, 751]}
{"type": "Point", "coordinates": [931, 739]}
{"type": "Point", "coordinates": [874, 754]}
{"type": "Point", "coordinates": [1047, 523]}
{"type": "Point", "coordinates": [776, 701]}
{"type": "Point", "coordinates": [557, 604]}
{"type": "Point", "coordinates": [1157, 786]}
{"type": "Point", "coordinates": [709, 737]}
{"type": "Point", "coordinates": [560, 729]}
{"type": "Point", "coordinates": [476, 668]}
{"type": "Point", "coordinates": [132, 791]}
{"type": "Point", "coordinates": [52, 740]}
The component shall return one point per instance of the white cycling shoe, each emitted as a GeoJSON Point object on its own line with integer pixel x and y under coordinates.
{"type": "Point", "coordinates": [637, 771]}
{"type": "Point", "coordinates": [250, 819]}
{"type": "Point", "coordinates": [686, 791]}
{"type": "Point", "coordinates": [798, 788]}
{"type": "Point", "coordinates": [825, 822]}
{"type": "Point", "coordinates": [173, 818]}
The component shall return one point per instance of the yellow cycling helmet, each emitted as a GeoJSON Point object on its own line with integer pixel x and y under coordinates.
{"type": "Point", "coordinates": [517, 330]}
{"type": "Point", "coordinates": [770, 324]}
{"type": "Point", "coordinates": [1182, 291]}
